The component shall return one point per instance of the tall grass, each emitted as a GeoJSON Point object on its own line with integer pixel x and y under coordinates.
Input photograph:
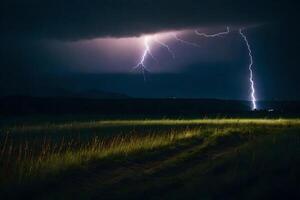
{"type": "Point", "coordinates": [30, 159]}
{"type": "Point", "coordinates": [22, 162]}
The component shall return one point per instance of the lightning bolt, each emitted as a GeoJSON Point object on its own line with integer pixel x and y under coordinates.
{"type": "Point", "coordinates": [147, 52]}
{"type": "Point", "coordinates": [165, 46]}
{"type": "Point", "coordinates": [213, 35]}
{"type": "Point", "coordinates": [253, 98]}
{"type": "Point", "coordinates": [185, 42]}
{"type": "Point", "coordinates": [141, 65]}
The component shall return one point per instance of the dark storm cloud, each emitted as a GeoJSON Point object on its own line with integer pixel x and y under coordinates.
{"type": "Point", "coordinates": [82, 19]}
{"type": "Point", "coordinates": [30, 64]}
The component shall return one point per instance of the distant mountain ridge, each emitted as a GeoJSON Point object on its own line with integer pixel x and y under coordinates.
{"type": "Point", "coordinates": [115, 104]}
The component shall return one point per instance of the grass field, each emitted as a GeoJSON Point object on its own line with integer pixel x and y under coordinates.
{"type": "Point", "coordinates": [150, 159]}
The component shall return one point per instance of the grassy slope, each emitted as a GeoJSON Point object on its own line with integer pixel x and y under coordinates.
{"type": "Point", "coordinates": [155, 159]}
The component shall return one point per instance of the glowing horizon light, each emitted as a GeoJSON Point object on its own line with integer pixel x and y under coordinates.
{"type": "Point", "coordinates": [253, 98]}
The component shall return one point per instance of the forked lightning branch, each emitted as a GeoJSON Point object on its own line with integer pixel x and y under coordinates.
{"type": "Point", "coordinates": [143, 68]}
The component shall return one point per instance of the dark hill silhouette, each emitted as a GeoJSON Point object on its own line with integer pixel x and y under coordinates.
{"type": "Point", "coordinates": [121, 105]}
{"type": "Point", "coordinates": [68, 105]}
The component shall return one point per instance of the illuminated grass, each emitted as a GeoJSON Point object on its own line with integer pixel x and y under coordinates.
{"type": "Point", "coordinates": [23, 163]}
{"type": "Point", "coordinates": [39, 155]}
{"type": "Point", "coordinates": [149, 122]}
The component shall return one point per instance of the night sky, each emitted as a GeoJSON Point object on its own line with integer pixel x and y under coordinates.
{"type": "Point", "coordinates": [56, 47]}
